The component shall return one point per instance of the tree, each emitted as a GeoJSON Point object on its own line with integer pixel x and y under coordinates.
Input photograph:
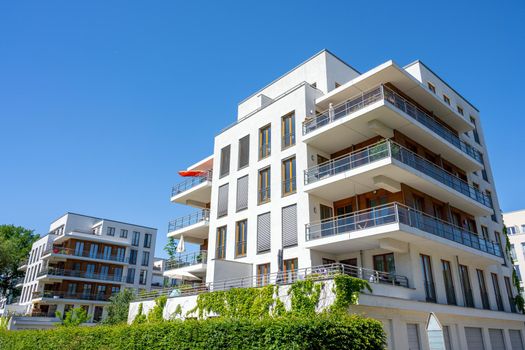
{"type": "Point", "coordinates": [171, 247]}
{"type": "Point", "coordinates": [15, 245]}
{"type": "Point", "coordinates": [119, 307]}
{"type": "Point", "coordinates": [74, 317]}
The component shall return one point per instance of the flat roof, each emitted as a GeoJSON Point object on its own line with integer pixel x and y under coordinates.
{"type": "Point", "coordinates": [103, 219]}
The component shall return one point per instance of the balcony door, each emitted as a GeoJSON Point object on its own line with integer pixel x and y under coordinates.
{"type": "Point", "coordinates": [428, 278]}
{"type": "Point", "coordinates": [327, 224]}
{"type": "Point", "coordinates": [385, 266]}
{"type": "Point", "coordinates": [345, 221]}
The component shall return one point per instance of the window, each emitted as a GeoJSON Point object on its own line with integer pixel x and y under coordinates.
{"type": "Point", "coordinates": [428, 278]}
{"type": "Point", "coordinates": [465, 284]}
{"type": "Point", "coordinates": [222, 207]}
{"type": "Point", "coordinates": [143, 277]}
{"type": "Point", "coordinates": [485, 232]}
{"type": "Point", "coordinates": [431, 87]}
{"type": "Point", "coordinates": [136, 239]}
{"type": "Point", "coordinates": [474, 336]}
{"type": "Point", "coordinates": [264, 186]}
{"type": "Point", "coordinates": [449, 283]}
{"type": "Point", "coordinates": [71, 289]}
{"type": "Point", "coordinates": [483, 289]}
{"type": "Point", "coordinates": [107, 253]}
{"type": "Point", "coordinates": [522, 229]}
{"type": "Point", "coordinates": [497, 291]}
{"type": "Point", "coordinates": [242, 193]}
{"type": "Point", "coordinates": [484, 175]}
{"type": "Point", "coordinates": [414, 342]}
{"type": "Point", "coordinates": [244, 152]}
{"type": "Point", "coordinates": [288, 130]}
{"type": "Point", "coordinates": [96, 230]}
{"type": "Point", "coordinates": [101, 291]}
{"type": "Point", "coordinates": [120, 254]}
{"type": "Point", "coordinates": [90, 270]}
{"type": "Point", "coordinates": [123, 233]}
{"type": "Point", "coordinates": [289, 226]}
{"type": "Point", "coordinates": [288, 174]}
{"type": "Point", "coordinates": [221, 243]}
{"type": "Point", "coordinates": [512, 230]}
{"type": "Point", "coordinates": [133, 256]}
{"type": "Point", "coordinates": [516, 341]}
{"type": "Point", "coordinates": [110, 231]}
{"type": "Point", "coordinates": [131, 276]}
{"type": "Point", "coordinates": [117, 274]}
{"type": "Point", "coordinates": [508, 287]}
{"type": "Point", "coordinates": [79, 248]}
{"type": "Point", "coordinates": [263, 274]}
{"type": "Point", "coordinates": [475, 130]}
{"type": "Point", "coordinates": [104, 270]}
{"type": "Point", "coordinates": [446, 99]}
{"type": "Point", "coordinates": [225, 161]}
{"type": "Point", "coordinates": [115, 290]}
{"type": "Point", "coordinates": [289, 270]}
{"type": "Point", "coordinates": [86, 291]}
{"type": "Point", "coordinates": [147, 240]}
{"type": "Point", "coordinates": [93, 251]}
{"type": "Point", "coordinates": [460, 110]}
{"type": "Point", "coordinates": [265, 141]}
{"type": "Point", "coordinates": [263, 233]}
{"type": "Point", "coordinates": [241, 236]}
{"type": "Point", "coordinates": [145, 258]}
{"type": "Point", "coordinates": [512, 252]}
{"type": "Point", "coordinates": [523, 249]}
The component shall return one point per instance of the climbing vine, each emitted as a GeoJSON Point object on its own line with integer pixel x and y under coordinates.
{"type": "Point", "coordinates": [155, 315]}
{"type": "Point", "coordinates": [140, 318]}
{"type": "Point", "coordinates": [304, 297]}
{"type": "Point", "coordinates": [347, 289]}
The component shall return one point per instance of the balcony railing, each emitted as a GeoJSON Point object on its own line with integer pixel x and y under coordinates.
{"type": "Point", "coordinates": [66, 295]}
{"type": "Point", "coordinates": [188, 220]}
{"type": "Point", "coordinates": [72, 252]}
{"type": "Point", "coordinates": [188, 259]}
{"type": "Point", "coordinates": [190, 183]}
{"type": "Point", "coordinates": [386, 149]}
{"type": "Point", "coordinates": [399, 213]}
{"type": "Point", "coordinates": [384, 93]}
{"type": "Point", "coordinates": [52, 271]}
{"type": "Point", "coordinates": [315, 273]}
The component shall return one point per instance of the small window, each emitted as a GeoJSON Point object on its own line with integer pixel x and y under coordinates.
{"type": "Point", "coordinates": [431, 87]}
{"type": "Point", "coordinates": [263, 274]}
{"type": "Point", "coordinates": [475, 130]}
{"type": "Point", "coordinates": [265, 142]}
{"type": "Point", "coordinates": [264, 189]}
{"type": "Point", "coordinates": [145, 258]}
{"type": "Point", "coordinates": [111, 231]}
{"type": "Point", "coordinates": [132, 256]}
{"type": "Point", "coordinates": [446, 99]}
{"type": "Point", "coordinates": [244, 151]}
{"type": "Point", "coordinates": [221, 243]}
{"type": "Point", "coordinates": [136, 239]}
{"type": "Point", "coordinates": [123, 233]}
{"type": "Point", "coordinates": [290, 270]}
{"type": "Point", "coordinates": [143, 276]}
{"type": "Point", "coordinates": [289, 185]}
{"type": "Point", "coordinates": [241, 236]}
{"type": "Point", "coordinates": [147, 240]}
{"type": "Point", "coordinates": [131, 276]}
{"type": "Point", "coordinates": [288, 130]}
{"type": "Point", "coordinates": [225, 161]}
{"type": "Point", "coordinates": [460, 110]}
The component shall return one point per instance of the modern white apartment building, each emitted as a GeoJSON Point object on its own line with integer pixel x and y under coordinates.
{"type": "Point", "coordinates": [386, 171]}
{"type": "Point", "coordinates": [515, 222]}
{"type": "Point", "coordinates": [81, 262]}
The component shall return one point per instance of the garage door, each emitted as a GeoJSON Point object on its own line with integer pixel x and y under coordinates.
{"type": "Point", "coordinates": [515, 339]}
{"type": "Point", "coordinates": [496, 339]}
{"type": "Point", "coordinates": [474, 338]}
{"type": "Point", "coordinates": [413, 337]}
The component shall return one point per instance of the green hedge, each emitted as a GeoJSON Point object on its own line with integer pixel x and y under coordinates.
{"type": "Point", "coordinates": [320, 332]}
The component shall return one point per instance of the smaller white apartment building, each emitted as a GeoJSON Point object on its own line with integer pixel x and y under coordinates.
{"type": "Point", "coordinates": [158, 280]}
{"type": "Point", "coordinates": [81, 262]}
{"type": "Point", "coordinates": [515, 223]}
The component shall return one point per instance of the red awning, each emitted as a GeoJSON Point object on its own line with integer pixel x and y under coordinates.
{"type": "Point", "coordinates": [186, 173]}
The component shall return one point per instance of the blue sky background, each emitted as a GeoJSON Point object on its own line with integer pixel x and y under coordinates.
{"type": "Point", "coordinates": [102, 102]}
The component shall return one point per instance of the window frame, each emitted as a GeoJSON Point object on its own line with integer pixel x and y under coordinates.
{"type": "Point", "coordinates": [293, 176]}
{"type": "Point", "coordinates": [268, 189]}
{"type": "Point", "coordinates": [288, 120]}
{"type": "Point", "coordinates": [241, 243]}
{"type": "Point", "coordinates": [265, 132]}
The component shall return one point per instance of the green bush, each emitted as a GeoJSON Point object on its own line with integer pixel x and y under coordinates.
{"type": "Point", "coordinates": [321, 332]}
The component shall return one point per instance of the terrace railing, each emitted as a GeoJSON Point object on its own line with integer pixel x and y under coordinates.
{"type": "Point", "coordinates": [188, 220]}
{"type": "Point", "coordinates": [190, 183]}
{"type": "Point", "coordinates": [66, 295]}
{"type": "Point", "coordinates": [188, 259]}
{"type": "Point", "coordinates": [84, 254]}
{"type": "Point", "coordinates": [52, 271]}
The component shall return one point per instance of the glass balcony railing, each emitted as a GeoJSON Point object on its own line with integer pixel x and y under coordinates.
{"type": "Point", "coordinates": [399, 213]}
{"type": "Point", "coordinates": [386, 149]}
{"type": "Point", "coordinates": [188, 259]}
{"type": "Point", "coordinates": [188, 220]}
{"type": "Point", "coordinates": [53, 271]}
{"type": "Point", "coordinates": [67, 295]}
{"type": "Point", "coordinates": [190, 183]}
{"type": "Point", "coordinates": [85, 254]}
{"type": "Point", "coordinates": [394, 99]}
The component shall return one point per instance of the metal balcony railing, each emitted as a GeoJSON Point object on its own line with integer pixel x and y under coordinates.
{"type": "Point", "coordinates": [386, 149]}
{"type": "Point", "coordinates": [188, 259]}
{"type": "Point", "coordinates": [315, 273]}
{"type": "Point", "coordinates": [188, 220]}
{"type": "Point", "coordinates": [190, 183]}
{"type": "Point", "coordinates": [388, 95]}
{"type": "Point", "coordinates": [52, 271]}
{"type": "Point", "coordinates": [399, 213]}
{"type": "Point", "coordinates": [66, 295]}
{"type": "Point", "coordinates": [84, 254]}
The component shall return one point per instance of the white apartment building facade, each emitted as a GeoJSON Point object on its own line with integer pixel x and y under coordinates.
{"type": "Point", "coordinates": [386, 171]}
{"type": "Point", "coordinates": [81, 262]}
{"type": "Point", "coordinates": [515, 223]}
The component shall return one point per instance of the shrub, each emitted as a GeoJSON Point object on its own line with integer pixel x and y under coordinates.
{"type": "Point", "coordinates": [74, 317]}
{"type": "Point", "coordinates": [326, 331]}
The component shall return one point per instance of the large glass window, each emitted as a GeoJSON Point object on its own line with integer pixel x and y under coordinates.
{"type": "Point", "coordinates": [107, 253]}
{"type": "Point", "coordinates": [136, 239]}
{"type": "Point", "coordinates": [428, 278]}
{"type": "Point", "coordinates": [93, 250]}
{"type": "Point", "coordinates": [143, 276]}
{"type": "Point", "coordinates": [145, 258]}
{"type": "Point", "coordinates": [221, 243]}
{"type": "Point", "coordinates": [79, 248]}
{"type": "Point", "coordinates": [244, 151]}
{"type": "Point", "coordinates": [131, 276]}
{"type": "Point", "coordinates": [288, 130]}
{"type": "Point", "coordinates": [265, 141]}
{"type": "Point", "coordinates": [133, 256]}
{"type": "Point", "coordinates": [264, 185]}
{"type": "Point", "coordinates": [449, 282]}
{"type": "Point", "coordinates": [225, 162]}
{"type": "Point", "coordinates": [467, 287]}
{"type": "Point", "coordinates": [263, 274]}
{"type": "Point", "coordinates": [288, 175]}
{"type": "Point", "coordinates": [508, 287]}
{"type": "Point", "coordinates": [289, 268]}
{"type": "Point", "coordinates": [497, 291]}
{"type": "Point", "coordinates": [241, 236]}
{"type": "Point", "coordinates": [483, 289]}
{"type": "Point", "coordinates": [147, 240]}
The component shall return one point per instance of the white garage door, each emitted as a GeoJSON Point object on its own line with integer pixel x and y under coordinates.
{"type": "Point", "coordinates": [413, 337]}
{"type": "Point", "coordinates": [474, 338]}
{"type": "Point", "coordinates": [515, 339]}
{"type": "Point", "coordinates": [496, 339]}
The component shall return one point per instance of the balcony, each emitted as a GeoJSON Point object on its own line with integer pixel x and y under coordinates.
{"type": "Point", "coordinates": [23, 265]}
{"type": "Point", "coordinates": [397, 221]}
{"type": "Point", "coordinates": [72, 296]}
{"type": "Point", "coordinates": [194, 191]}
{"type": "Point", "coordinates": [194, 227]}
{"type": "Point", "coordinates": [91, 236]}
{"type": "Point", "coordinates": [191, 265]}
{"type": "Point", "coordinates": [387, 164]}
{"type": "Point", "coordinates": [379, 111]}
{"type": "Point", "coordinates": [56, 273]}
{"type": "Point", "coordinates": [62, 253]}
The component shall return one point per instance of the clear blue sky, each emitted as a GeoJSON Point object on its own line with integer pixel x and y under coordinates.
{"type": "Point", "coordinates": [102, 102]}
